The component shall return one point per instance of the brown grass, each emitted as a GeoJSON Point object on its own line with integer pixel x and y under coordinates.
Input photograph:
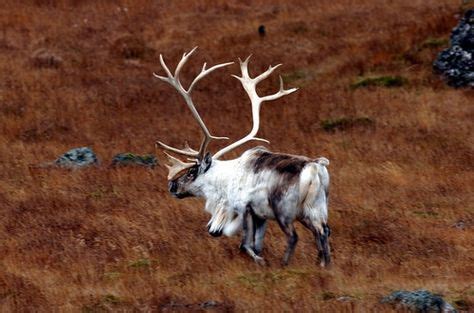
{"type": "Point", "coordinates": [114, 240]}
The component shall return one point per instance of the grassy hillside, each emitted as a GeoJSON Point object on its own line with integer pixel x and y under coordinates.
{"type": "Point", "coordinates": [79, 73]}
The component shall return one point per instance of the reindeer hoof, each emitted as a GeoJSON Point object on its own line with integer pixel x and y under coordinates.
{"type": "Point", "coordinates": [284, 262]}
{"type": "Point", "coordinates": [260, 261]}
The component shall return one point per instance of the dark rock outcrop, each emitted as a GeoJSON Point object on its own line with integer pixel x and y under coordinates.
{"type": "Point", "coordinates": [418, 301]}
{"type": "Point", "coordinates": [77, 158]}
{"type": "Point", "coordinates": [43, 58]}
{"type": "Point", "coordinates": [456, 63]}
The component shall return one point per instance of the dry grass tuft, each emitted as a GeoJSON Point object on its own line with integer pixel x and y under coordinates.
{"type": "Point", "coordinates": [99, 239]}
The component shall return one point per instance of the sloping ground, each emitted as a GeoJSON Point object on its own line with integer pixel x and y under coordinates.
{"type": "Point", "coordinates": [78, 73]}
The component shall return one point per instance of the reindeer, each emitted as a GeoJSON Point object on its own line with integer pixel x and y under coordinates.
{"type": "Point", "coordinates": [245, 192]}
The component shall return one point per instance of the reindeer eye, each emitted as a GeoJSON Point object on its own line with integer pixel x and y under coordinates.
{"type": "Point", "coordinates": [192, 171]}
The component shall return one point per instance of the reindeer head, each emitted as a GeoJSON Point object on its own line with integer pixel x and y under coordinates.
{"type": "Point", "coordinates": [182, 185]}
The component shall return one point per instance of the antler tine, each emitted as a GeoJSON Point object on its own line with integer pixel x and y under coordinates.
{"type": "Point", "coordinates": [267, 73]}
{"type": "Point", "coordinates": [186, 151]}
{"type": "Point", "coordinates": [280, 93]}
{"type": "Point", "coordinates": [181, 63]}
{"type": "Point", "coordinates": [174, 81]}
{"type": "Point", "coordinates": [205, 72]}
{"type": "Point", "coordinates": [250, 84]}
{"type": "Point", "coordinates": [176, 166]}
{"type": "Point", "coordinates": [244, 66]}
{"type": "Point", "coordinates": [163, 64]}
{"type": "Point", "coordinates": [188, 148]}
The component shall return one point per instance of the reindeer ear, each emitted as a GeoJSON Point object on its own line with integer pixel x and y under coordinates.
{"type": "Point", "coordinates": [206, 162]}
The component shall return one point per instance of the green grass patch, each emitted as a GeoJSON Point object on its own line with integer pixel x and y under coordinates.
{"type": "Point", "coordinates": [327, 295]}
{"type": "Point", "coordinates": [102, 304]}
{"type": "Point", "coordinates": [435, 42]}
{"type": "Point", "coordinates": [112, 275]}
{"type": "Point", "coordinates": [466, 5]}
{"type": "Point", "coordinates": [264, 280]}
{"type": "Point", "coordinates": [426, 214]}
{"type": "Point", "coordinates": [140, 263]}
{"type": "Point", "coordinates": [112, 299]}
{"type": "Point", "coordinates": [97, 194]}
{"type": "Point", "coordinates": [298, 77]}
{"type": "Point", "coordinates": [250, 280]}
{"type": "Point", "coordinates": [299, 272]}
{"type": "Point", "coordinates": [298, 27]}
{"type": "Point", "coordinates": [128, 158]}
{"type": "Point", "coordinates": [103, 192]}
{"type": "Point", "coordinates": [379, 81]}
{"type": "Point", "coordinates": [131, 156]}
{"type": "Point", "coordinates": [254, 281]}
{"type": "Point", "coordinates": [344, 123]}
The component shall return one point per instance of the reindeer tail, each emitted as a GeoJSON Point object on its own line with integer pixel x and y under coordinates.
{"type": "Point", "coordinates": [322, 161]}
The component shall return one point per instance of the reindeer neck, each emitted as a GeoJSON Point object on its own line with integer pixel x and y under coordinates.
{"type": "Point", "coordinates": [215, 182]}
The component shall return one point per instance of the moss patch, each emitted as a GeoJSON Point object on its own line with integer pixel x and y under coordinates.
{"type": "Point", "coordinates": [379, 81]}
{"type": "Point", "coordinates": [435, 42]}
{"type": "Point", "coordinates": [345, 123]}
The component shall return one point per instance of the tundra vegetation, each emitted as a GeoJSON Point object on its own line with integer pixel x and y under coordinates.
{"type": "Point", "coordinates": [79, 73]}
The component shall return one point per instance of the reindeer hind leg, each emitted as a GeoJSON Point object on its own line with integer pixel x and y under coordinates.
{"type": "Point", "coordinates": [324, 238]}
{"type": "Point", "coordinates": [321, 236]}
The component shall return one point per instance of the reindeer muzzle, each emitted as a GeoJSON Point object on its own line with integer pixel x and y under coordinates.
{"type": "Point", "coordinates": [173, 187]}
{"type": "Point", "coordinates": [215, 233]}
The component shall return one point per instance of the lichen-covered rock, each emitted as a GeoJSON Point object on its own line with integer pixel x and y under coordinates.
{"type": "Point", "coordinates": [126, 159]}
{"type": "Point", "coordinates": [46, 59]}
{"type": "Point", "coordinates": [463, 34]}
{"type": "Point", "coordinates": [456, 63]}
{"type": "Point", "coordinates": [421, 301]}
{"type": "Point", "coordinates": [77, 158]}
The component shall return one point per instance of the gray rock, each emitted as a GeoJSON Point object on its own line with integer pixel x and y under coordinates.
{"type": "Point", "coordinates": [456, 63]}
{"type": "Point", "coordinates": [345, 299]}
{"type": "Point", "coordinates": [46, 59]}
{"type": "Point", "coordinates": [127, 159]}
{"type": "Point", "coordinates": [421, 301]}
{"type": "Point", "coordinates": [211, 306]}
{"type": "Point", "coordinates": [463, 34]}
{"type": "Point", "coordinates": [459, 225]}
{"type": "Point", "coordinates": [77, 158]}
{"type": "Point", "coordinates": [208, 304]}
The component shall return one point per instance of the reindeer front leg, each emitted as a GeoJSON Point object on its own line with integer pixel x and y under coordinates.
{"type": "Point", "coordinates": [292, 238]}
{"type": "Point", "coordinates": [260, 225]}
{"type": "Point", "coordinates": [259, 229]}
{"type": "Point", "coordinates": [248, 237]}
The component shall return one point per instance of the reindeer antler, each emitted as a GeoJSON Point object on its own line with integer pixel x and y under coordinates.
{"type": "Point", "coordinates": [250, 85]}
{"type": "Point", "coordinates": [174, 81]}
{"type": "Point", "coordinates": [176, 166]}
